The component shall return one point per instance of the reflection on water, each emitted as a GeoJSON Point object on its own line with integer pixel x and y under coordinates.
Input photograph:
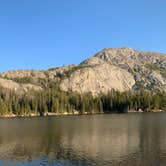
{"type": "Point", "coordinates": [123, 139]}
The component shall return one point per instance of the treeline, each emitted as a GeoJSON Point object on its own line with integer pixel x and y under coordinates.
{"type": "Point", "coordinates": [52, 100]}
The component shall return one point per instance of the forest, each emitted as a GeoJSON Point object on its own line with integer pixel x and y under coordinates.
{"type": "Point", "coordinates": [53, 100]}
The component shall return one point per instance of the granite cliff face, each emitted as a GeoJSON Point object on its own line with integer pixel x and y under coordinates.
{"type": "Point", "coordinates": [119, 69]}
{"type": "Point", "coordinates": [97, 76]}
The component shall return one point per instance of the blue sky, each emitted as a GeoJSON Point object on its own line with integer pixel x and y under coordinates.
{"type": "Point", "coordinates": [39, 34]}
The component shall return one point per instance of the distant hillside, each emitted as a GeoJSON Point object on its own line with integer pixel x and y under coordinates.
{"type": "Point", "coordinates": [119, 69]}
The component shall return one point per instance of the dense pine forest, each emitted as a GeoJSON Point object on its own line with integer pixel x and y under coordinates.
{"type": "Point", "coordinates": [53, 100]}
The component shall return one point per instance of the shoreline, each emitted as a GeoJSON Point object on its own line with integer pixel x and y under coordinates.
{"type": "Point", "coordinates": [51, 114]}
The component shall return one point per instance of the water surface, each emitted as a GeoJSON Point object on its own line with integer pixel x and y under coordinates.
{"type": "Point", "coordinates": [100, 140]}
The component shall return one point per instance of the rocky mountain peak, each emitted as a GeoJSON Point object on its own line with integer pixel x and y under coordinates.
{"type": "Point", "coordinates": [119, 69]}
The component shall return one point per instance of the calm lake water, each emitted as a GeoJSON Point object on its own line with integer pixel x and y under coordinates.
{"type": "Point", "coordinates": [101, 140]}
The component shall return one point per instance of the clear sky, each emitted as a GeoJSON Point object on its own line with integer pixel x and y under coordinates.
{"type": "Point", "coordinates": [39, 34]}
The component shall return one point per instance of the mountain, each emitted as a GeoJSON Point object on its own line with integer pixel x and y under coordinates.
{"type": "Point", "coordinates": [119, 69]}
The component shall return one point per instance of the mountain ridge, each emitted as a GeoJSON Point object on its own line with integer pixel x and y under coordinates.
{"type": "Point", "coordinates": [119, 69]}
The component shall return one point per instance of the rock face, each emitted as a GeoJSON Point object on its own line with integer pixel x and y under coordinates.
{"type": "Point", "coordinates": [21, 88]}
{"type": "Point", "coordinates": [97, 76]}
{"type": "Point", "coordinates": [119, 69]}
{"type": "Point", "coordinates": [148, 69]}
{"type": "Point", "coordinates": [23, 74]}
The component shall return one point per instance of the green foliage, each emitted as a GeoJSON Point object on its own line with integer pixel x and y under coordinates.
{"type": "Point", "coordinates": [153, 67]}
{"type": "Point", "coordinates": [158, 68]}
{"type": "Point", "coordinates": [23, 80]}
{"type": "Point", "coordinates": [163, 73]}
{"type": "Point", "coordinates": [52, 100]}
{"type": "Point", "coordinates": [68, 72]}
{"type": "Point", "coordinates": [54, 68]}
{"type": "Point", "coordinates": [75, 68]}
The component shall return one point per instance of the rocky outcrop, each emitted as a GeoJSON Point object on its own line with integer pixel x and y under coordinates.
{"type": "Point", "coordinates": [96, 76]}
{"type": "Point", "coordinates": [23, 74]}
{"type": "Point", "coordinates": [20, 88]}
{"type": "Point", "coordinates": [147, 68]}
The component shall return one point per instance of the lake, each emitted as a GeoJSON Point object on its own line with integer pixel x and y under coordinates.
{"type": "Point", "coordinates": [137, 139]}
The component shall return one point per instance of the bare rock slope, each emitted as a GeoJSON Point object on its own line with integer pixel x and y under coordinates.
{"type": "Point", "coordinates": [147, 68]}
{"type": "Point", "coordinates": [97, 76]}
{"type": "Point", "coordinates": [20, 88]}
